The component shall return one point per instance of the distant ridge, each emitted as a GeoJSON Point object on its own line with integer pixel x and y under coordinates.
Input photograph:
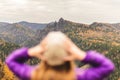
{"type": "Point", "coordinates": [33, 26]}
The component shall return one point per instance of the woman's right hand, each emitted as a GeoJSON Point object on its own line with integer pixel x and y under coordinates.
{"type": "Point", "coordinates": [36, 51]}
{"type": "Point", "coordinates": [75, 53]}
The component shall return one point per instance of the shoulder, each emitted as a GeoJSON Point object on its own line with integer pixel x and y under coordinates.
{"type": "Point", "coordinates": [33, 71]}
{"type": "Point", "coordinates": [79, 72]}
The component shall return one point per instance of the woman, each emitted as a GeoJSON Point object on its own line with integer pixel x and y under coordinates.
{"type": "Point", "coordinates": [57, 53]}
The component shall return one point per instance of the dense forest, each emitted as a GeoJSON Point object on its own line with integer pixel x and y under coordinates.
{"type": "Point", "coordinates": [98, 36]}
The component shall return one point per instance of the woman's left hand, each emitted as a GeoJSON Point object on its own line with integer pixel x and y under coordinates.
{"type": "Point", "coordinates": [75, 53]}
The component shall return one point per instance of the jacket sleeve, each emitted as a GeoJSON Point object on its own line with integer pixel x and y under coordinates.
{"type": "Point", "coordinates": [101, 66]}
{"type": "Point", "coordinates": [15, 62]}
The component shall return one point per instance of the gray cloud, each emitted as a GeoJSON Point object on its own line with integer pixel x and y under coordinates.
{"type": "Point", "coordinates": [86, 11]}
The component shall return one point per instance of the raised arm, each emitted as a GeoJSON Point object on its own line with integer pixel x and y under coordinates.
{"type": "Point", "coordinates": [15, 61]}
{"type": "Point", "coordinates": [101, 66]}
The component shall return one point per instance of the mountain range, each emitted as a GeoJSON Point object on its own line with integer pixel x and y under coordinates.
{"type": "Point", "coordinates": [28, 34]}
{"type": "Point", "coordinates": [103, 37]}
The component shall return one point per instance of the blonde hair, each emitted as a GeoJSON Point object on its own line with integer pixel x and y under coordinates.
{"type": "Point", "coordinates": [54, 68]}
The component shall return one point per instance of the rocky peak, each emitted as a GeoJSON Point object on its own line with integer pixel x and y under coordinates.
{"type": "Point", "coordinates": [61, 19]}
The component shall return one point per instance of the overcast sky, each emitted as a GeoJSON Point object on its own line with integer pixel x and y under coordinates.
{"type": "Point", "coordinates": [44, 11]}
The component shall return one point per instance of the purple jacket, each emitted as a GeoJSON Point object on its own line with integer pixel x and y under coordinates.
{"type": "Point", "coordinates": [101, 66]}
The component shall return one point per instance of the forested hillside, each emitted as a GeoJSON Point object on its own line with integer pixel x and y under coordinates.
{"type": "Point", "coordinates": [102, 37]}
{"type": "Point", "coordinates": [17, 33]}
{"type": "Point", "coordinates": [5, 49]}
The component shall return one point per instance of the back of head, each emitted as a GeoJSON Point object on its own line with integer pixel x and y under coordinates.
{"type": "Point", "coordinates": [55, 68]}
{"type": "Point", "coordinates": [55, 51]}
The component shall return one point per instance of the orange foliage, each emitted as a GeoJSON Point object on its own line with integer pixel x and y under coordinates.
{"type": "Point", "coordinates": [7, 74]}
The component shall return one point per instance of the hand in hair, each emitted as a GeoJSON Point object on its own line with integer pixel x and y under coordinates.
{"type": "Point", "coordinates": [74, 52]}
{"type": "Point", "coordinates": [36, 51]}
